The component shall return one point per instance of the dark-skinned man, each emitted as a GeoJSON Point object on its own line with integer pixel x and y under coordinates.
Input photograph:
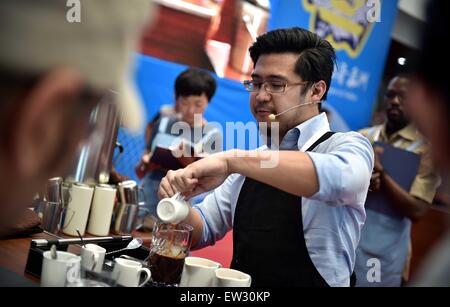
{"type": "Point", "coordinates": [385, 239]}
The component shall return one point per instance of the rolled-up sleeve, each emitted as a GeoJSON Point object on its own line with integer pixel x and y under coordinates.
{"type": "Point", "coordinates": [344, 171]}
{"type": "Point", "coordinates": [217, 210]}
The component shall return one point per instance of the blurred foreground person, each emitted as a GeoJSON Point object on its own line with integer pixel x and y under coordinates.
{"type": "Point", "coordinates": [430, 109]}
{"type": "Point", "coordinates": [52, 74]}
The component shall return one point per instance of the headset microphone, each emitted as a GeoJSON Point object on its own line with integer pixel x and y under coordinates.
{"type": "Point", "coordinates": [274, 116]}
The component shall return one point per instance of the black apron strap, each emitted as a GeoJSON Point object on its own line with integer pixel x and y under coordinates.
{"type": "Point", "coordinates": [353, 279]}
{"type": "Point", "coordinates": [322, 139]}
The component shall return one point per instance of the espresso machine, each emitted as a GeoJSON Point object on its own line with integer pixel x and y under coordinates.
{"type": "Point", "coordinates": [67, 201]}
{"type": "Point", "coordinates": [94, 158]}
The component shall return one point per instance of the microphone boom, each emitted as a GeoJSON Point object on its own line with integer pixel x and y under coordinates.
{"type": "Point", "coordinates": [274, 116]}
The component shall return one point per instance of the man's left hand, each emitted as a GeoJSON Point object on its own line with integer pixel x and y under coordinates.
{"type": "Point", "coordinates": [375, 180]}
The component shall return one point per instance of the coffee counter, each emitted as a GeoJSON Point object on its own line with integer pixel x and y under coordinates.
{"type": "Point", "coordinates": [14, 253]}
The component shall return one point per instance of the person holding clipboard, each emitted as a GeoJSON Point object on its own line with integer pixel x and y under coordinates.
{"type": "Point", "coordinates": [194, 89]}
{"type": "Point", "coordinates": [403, 184]}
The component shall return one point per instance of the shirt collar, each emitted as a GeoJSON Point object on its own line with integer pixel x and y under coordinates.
{"type": "Point", "coordinates": [409, 133]}
{"type": "Point", "coordinates": [306, 133]}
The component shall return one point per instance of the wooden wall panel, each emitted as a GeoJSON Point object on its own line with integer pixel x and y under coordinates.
{"type": "Point", "coordinates": [177, 36]}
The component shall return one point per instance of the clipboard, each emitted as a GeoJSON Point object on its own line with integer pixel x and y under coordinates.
{"type": "Point", "coordinates": [164, 156]}
{"type": "Point", "coordinates": [402, 166]}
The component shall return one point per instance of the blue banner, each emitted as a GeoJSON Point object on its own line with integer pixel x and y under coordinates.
{"type": "Point", "coordinates": [360, 31]}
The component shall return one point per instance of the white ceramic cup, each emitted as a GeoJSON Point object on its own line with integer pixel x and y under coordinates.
{"type": "Point", "coordinates": [173, 210]}
{"type": "Point", "coordinates": [128, 273]}
{"type": "Point", "coordinates": [232, 278]}
{"type": "Point", "coordinates": [92, 257]}
{"type": "Point", "coordinates": [57, 272]}
{"type": "Point", "coordinates": [198, 272]}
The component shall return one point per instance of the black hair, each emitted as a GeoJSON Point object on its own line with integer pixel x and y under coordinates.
{"type": "Point", "coordinates": [399, 75]}
{"type": "Point", "coordinates": [196, 82]}
{"type": "Point", "coordinates": [403, 75]}
{"type": "Point", "coordinates": [434, 64]}
{"type": "Point", "coordinates": [316, 56]}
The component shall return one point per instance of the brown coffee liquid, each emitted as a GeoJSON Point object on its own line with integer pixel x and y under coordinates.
{"type": "Point", "coordinates": [166, 269]}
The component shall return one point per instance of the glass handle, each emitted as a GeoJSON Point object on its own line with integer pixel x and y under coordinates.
{"type": "Point", "coordinates": [142, 199]}
{"type": "Point", "coordinates": [141, 220]}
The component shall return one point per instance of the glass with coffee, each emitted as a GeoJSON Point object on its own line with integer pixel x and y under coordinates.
{"type": "Point", "coordinates": [170, 245]}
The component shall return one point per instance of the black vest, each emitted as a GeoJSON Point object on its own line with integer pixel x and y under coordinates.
{"type": "Point", "coordinates": [268, 239]}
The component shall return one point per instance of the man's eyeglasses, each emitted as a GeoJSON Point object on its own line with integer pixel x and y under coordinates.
{"type": "Point", "coordinates": [390, 95]}
{"type": "Point", "coordinates": [269, 86]}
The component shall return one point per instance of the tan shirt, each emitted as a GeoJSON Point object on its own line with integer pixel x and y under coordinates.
{"type": "Point", "coordinates": [427, 179]}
